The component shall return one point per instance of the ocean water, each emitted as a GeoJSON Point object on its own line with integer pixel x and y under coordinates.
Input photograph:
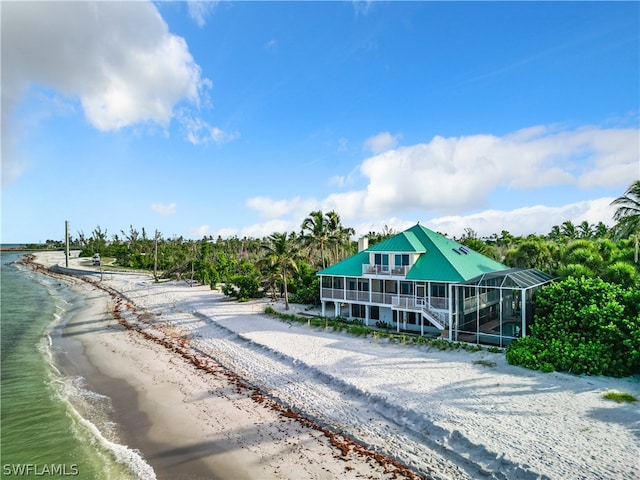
{"type": "Point", "coordinates": [52, 425]}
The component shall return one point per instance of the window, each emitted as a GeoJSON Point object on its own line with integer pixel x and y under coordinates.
{"type": "Point", "coordinates": [375, 312]}
{"type": "Point", "coordinates": [405, 288]}
{"type": "Point", "coordinates": [381, 259]}
{"type": "Point", "coordinates": [402, 260]}
{"type": "Point", "coordinates": [358, 311]}
{"type": "Point", "coordinates": [352, 284]}
{"type": "Point", "coordinates": [391, 286]}
{"type": "Point", "coordinates": [438, 290]}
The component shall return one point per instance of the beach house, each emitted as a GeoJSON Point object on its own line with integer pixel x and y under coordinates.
{"type": "Point", "coordinates": [420, 281]}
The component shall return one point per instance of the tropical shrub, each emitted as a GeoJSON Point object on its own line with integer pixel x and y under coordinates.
{"type": "Point", "coordinates": [304, 287]}
{"type": "Point", "coordinates": [244, 285]}
{"type": "Point", "coordinates": [583, 326]}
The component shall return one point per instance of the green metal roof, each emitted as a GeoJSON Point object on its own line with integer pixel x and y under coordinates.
{"type": "Point", "coordinates": [349, 267]}
{"type": "Point", "coordinates": [405, 242]}
{"type": "Point", "coordinates": [447, 260]}
{"type": "Point", "coordinates": [440, 258]}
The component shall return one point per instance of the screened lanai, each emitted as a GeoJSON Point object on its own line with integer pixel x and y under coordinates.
{"type": "Point", "coordinates": [495, 308]}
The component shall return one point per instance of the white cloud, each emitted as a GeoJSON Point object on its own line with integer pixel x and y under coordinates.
{"type": "Point", "coordinates": [220, 137]}
{"type": "Point", "coordinates": [164, 209]}
{"type": "Point", "coordinates": [362, 7]}
{"type": "Point", "coordinates": [381, 142]}
{"type": "Point", "coordinates": [457, 173]}
{"type": "Point", "coordinates": [538, 219]}
{"type": "Point", "coordinates": [451, 176]}
{"type": "Point", "coordinates": [199, 10]}
{"type": "Point", "coordinates": [271, 44]}
{"type": "Point", "coordinates": [260, 230]}
{"type": "Point", "coordinates": [199, 132]}
{"type": "Point", "coordinates": [118, 58]}
{"type": "Point", "coordinates": [225, 233]}
{"type": "Point", "coordinates": [200, 231]}
{"type": "Point", "coordinates": [337, 180]}
{"type": "Point", "coordinates": [297, 208]}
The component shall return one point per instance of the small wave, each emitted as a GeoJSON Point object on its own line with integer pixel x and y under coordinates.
{"type": "Point", "coordinates": [91, 423]}
{"type": "Point", "coordinates": [90, 411]}
{"type": "Point", "coordinates": [44, 347]}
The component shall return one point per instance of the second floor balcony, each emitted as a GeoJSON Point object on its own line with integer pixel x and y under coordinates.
{"type": "Point", "coordinates": [385, 270]}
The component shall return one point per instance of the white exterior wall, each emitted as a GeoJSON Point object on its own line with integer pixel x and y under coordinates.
{"type": "Point", "coordinates": [386, 315]}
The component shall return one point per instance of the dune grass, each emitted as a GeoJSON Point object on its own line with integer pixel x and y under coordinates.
{"type": "Point", "coordinates": [620, 397]}
{"type": "Point", "coordinates": [484, 363]}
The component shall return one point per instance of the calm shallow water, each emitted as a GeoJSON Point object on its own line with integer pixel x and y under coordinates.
{"type": "Point", "coordinates": [50, 421]}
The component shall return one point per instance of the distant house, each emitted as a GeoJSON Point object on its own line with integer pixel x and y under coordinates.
{"type": "Point", "coordinates": [422, 282]}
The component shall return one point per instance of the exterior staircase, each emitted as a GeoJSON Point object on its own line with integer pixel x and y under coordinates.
{"type": "Point", "coordinates": [436, 318]}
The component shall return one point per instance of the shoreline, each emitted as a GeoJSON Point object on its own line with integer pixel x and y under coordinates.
{"type": "Point", "coordinates": [439, 413]}
{"type": "Point", "coordinates": [90, 342]}
{"type": "Point", "coordinates": [128, 365]}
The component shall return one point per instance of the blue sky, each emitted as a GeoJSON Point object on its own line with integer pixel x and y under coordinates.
{"type": "Point", "coordinates": [240, 118]}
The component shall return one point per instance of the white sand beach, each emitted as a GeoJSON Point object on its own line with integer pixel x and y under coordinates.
{"type": "Point", "coordinates": [225, 391]}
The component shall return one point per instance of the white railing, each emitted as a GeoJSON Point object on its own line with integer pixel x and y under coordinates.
{"type": "Point", "coordinates": [379, 297]}
{"type": "Point", "coordinates": [357, 295]}
{"type": "Point", "coordinates": [387, 270]}
{"type": "Point", "coordinates": [337, 293]}
{"type": "Point", "coordinates": [401, 302]}
{"type": "Point", "coordinates": [439, 319]}
{"type": "Point", "coordinates": [407, 302]}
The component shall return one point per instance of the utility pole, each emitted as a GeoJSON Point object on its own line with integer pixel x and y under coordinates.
{"type": "Point", "coordinates": [155, 255]}
{"type": "Point", "coordinates": [66, 242]}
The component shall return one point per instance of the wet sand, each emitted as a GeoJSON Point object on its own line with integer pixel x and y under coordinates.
{"type": "Point", "coordinates": [187, 423]}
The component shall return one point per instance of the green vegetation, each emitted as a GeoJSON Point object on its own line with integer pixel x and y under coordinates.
{"type": "Point", "coordinates": [597, 267]}
{"type": "Point", "coordinates": [282, 253]}
{"type": "Point", "coordinates": [583, 325]}
{"type": "Point", "coordinates": [590, 322]}
{"type": "Point", "coordinates": [620, 397]}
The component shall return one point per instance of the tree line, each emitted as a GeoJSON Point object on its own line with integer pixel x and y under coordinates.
{"type": "Point", "coordinates": [586, 322]}
{"type": "Point", "coordinates": [285, 263]}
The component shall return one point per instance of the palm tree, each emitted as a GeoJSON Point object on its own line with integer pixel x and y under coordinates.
{"type": "Point", "coordinates": [628, 214]}
{"type": "Point", "coordinates": [585, 229]}
{"type": "Point", "coordinates": [315, 231]}
{"type": "Point", "coordinates": [339, 236]}
{"type": "Point", "coordinates": [345, 235]}
{"type": "Point", "coordinates": [555, 233]}
{"type": "Point", "coordinates": [601, 230]}
{"type": "Point", "coordinates": [568, 229]}
{"type": "Point", "coordinates": [282, 251]}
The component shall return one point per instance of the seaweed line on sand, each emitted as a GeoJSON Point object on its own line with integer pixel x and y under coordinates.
{"type": "Point", "coordinates": [180, 345]}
